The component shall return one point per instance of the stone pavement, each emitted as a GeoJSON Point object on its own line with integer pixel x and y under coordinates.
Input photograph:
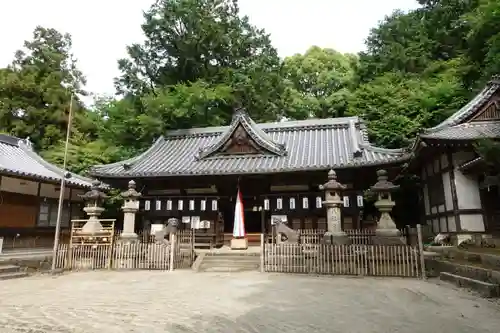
{"type": "Point", "coordinates": [182, 301]}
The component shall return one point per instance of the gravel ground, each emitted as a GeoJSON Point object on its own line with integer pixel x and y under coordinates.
{"type": "Point", "coordinates": [183, 301]}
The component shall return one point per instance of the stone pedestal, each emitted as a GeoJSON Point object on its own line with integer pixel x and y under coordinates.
{"type": "Point", "coordinates": [128, 235]}
{"type": "Point", "coordinates": [239, 244]}
{"type": "Point", "coordinates": [130, 208]}
{"type": "Point", "coordinates": [333, 204]}
{"type": "Point", "coordinates": [93, 225]}
{"type": "Point", "coordinates": [334, 234]}
{"type": "Point", "coordinates": [387, 233]}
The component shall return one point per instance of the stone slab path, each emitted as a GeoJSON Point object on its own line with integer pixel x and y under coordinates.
{"type": "Point", "coordinates": [182, 301]}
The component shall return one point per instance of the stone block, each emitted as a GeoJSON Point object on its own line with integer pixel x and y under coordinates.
{"type": "Point", "coordinates": [485, 289]}
{"type": "Point", "coordinates": [239, 244]}
{"type": "Point", "coordinates": [491, 260]}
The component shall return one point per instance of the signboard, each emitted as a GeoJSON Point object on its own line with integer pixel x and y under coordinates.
{"type": "Point", "coordinates": [282, 218]}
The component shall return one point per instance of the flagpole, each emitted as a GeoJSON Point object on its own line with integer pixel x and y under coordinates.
{"type": "Point", "coordinates": [61, 190]}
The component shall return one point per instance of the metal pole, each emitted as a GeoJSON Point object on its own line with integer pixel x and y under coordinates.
{"type": "Point", "coordinates": [421, 251]}
{"type": "Point", "coordinates": [61, 191]}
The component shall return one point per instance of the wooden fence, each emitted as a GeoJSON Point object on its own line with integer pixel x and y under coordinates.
{"type": "Point", "coordinates": [370, 260]}
{"type": "Point", "coordinates": [178, 253]}
{"type": "Point", "coordinates": [314, 254]}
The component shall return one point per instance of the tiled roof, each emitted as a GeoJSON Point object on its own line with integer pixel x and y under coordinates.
{"type": "Point", "coordinates": [467, 131]}
{"type": "Point", "coordinates": [315, 144]}
{"type": "Point", "coordinates": [17, 158]}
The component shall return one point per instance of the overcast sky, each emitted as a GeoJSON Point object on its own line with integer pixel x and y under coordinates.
{"type": "Point", "coordinates": [102, 28]}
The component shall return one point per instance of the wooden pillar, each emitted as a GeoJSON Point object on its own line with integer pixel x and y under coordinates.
{"type": "Point", "coordinates": [38, 201]}
{"type": "Point", "coordinates": [453, 187]}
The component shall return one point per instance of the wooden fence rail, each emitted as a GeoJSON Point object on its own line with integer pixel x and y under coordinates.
{"type": "Point", "coordinates": [370, 260]}
{"type": "Point", "coordinates": [178, 253]}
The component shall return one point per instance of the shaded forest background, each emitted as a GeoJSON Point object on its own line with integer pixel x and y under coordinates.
{"type": "Point", "coordinates": [199, 57]}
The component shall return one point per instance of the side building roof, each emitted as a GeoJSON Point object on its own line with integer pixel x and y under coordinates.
{"type": "Point", "coordinates": [17, 158]}
{"type": "Point", "coordinates": [478, 119]}
{"type": "Point", "coordinates": [245, 147]}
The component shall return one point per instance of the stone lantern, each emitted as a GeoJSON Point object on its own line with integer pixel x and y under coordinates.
{"type": "Point", "coordinates": [333, 203]}
{"type": "Point", "coordinates": [130, 208]}
{"type": "Point", "coordinates": [93, 207]}
{"type": "Point", "coordinates": [386, 231]}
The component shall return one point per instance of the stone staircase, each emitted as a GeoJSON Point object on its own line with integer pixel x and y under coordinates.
{"type": "Point", "coordinates": [8, 272]}
{"type": "Point", "coordinates": [227, 262]}
{"type": "Point", "coordinates": [477, 271]}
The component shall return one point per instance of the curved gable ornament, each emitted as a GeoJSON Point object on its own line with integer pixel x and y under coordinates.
{"type": "Point", "coordinates": [243, 137]}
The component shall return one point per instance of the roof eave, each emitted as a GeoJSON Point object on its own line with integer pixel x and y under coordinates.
{"type": "Point", "coordinates": [388, 162]}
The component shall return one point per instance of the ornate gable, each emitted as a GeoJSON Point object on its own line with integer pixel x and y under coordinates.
{"type": "Point", "coordinates": [489, 112]}
{"type": "Point", "coordinates": [243, 137]}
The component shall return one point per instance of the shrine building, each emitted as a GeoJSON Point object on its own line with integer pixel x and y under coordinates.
{"type": "Point", "coordinates": [194, 174]}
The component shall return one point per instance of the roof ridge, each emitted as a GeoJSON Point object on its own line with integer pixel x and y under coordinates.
{"type": "Point", "coordinates": [292, 125]}
{"type": "Point", "coordinates": [241, 119]}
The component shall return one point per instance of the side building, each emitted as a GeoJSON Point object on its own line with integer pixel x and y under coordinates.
{"type": "Point", "coordinates": [460, 195]}
{"type": "Point", "coordinates": [194, 174]}
{"type": "Point", "coordinates": [29, 193]}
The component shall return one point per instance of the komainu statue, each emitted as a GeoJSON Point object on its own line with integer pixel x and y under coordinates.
{"type": "Point", "coordinates": [160, 235]}
{"type": "Point", "coordinates": [292, 236]}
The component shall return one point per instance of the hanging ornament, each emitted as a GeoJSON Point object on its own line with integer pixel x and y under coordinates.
{"type": "Point", "coordinates": [346, 201]}
{"type": "Point", "coordinates": [203, 205]}
{"type": "Point", "coordinates": [158, 204]}
{"type": "Point", "coordinates": [360, 200]}
{"type": "Point", "coordinates": [266, 204]}
{"type": "Point", "coordinates": [292, 203]}
{"type": "Point", "coordinates": [279, 203]}
{"type": "Point", "coordinates": [191, 204]}
{"type": "Point", "coordinates": [180, 205]}
{"type": "Point", "coordinates": [147, 205]}
{"type": "Point", "coordinates": [319, 202]}
{"type": "Point", "coordinates": [169, 204]}
{"type": "Point", "coordinates": [305, 203]}
{"type": "Point", "coordinates": [214, 204]}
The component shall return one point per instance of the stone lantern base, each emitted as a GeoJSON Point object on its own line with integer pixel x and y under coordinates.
{"type": "Point", "coordinates": [239, 243]}
{"type": "Point", "coordinates": [336, 238]}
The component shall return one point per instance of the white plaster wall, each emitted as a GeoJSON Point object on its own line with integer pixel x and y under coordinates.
{"type": "Point", "coordinates": [443, 224]}
{"type": "Point", "coordinates": [447, 191]}
{"type": "Point", "coordinates": [74, 194]}
{"type": "Point", "coordinates": [426, 200]}
{"type": "Point", "coordinates": [17, 185]}
{"type": "Point", "coordinates": [472, 222]}
{"type": "Point", "coordinates": [52, 191]}
{"type": "Point", "coordinates": [435, 225]}
{"type": "Point", "coordinates": [467, 191]}
{"type": "Point", "coordinates": [452, 225]}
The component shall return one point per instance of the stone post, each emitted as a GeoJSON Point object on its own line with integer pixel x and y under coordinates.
{"type": "Point", "coordinates": [130, 208]}
{"type": "Point", "coordinates": [94, 199]}
{"type": "Point", "coordinates": [386, 232]}
{"type": "Point", "coordinates": [333, 204]}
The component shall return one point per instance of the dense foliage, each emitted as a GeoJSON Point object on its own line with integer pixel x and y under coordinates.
{"type": "Point", "coordinates": [201, 57]}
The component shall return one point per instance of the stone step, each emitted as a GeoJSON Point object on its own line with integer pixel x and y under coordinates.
{"type": "Point", "coordinates": [466, 270]}
{"type": "Point", "coordinates": [238, 266]}
{"type": "Point", "coordinates": [233, 254]}
{"type": "Point", "coordinates": [485, 289]}
{"type": "Point", "coordinates": [228, 269]}
{"type": "Point", "coordinates": [9, 269]}
{"type": "Point", "coordinates": [229, 259]}
{"type": "Point", "coordinates": [12, 275]}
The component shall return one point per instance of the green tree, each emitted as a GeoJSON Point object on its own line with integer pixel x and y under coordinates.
{"type": "Point", "coordinates": [35, 89]}
{"type": "Point", "coordinates": [397, 106]}
{"type": "Point", "coordinates": [204, 45]}
{"type": "Point", "coordinates": [484, 41]}
{"type": "Point", "coordinates": [319, 83]}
